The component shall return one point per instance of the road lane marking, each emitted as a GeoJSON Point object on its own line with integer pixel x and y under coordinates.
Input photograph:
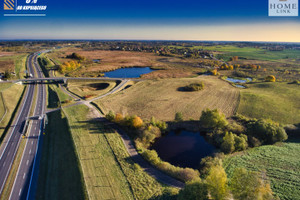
{"type": "Point", "coordinates": [20, 192]}
{"type": "Point", "coordinates": [30, 151]}
{"type": "Point", "coordinates": [3, 164]}
{"type": "Point", "coordinates": [31, 142]}
{"type": "Point", "coordinates": [27, 162]}
{"type": "Point", "coordinates": [24, 176]}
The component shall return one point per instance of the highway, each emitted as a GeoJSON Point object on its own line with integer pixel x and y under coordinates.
{"type": "Point", "coordinates": [25, 179]}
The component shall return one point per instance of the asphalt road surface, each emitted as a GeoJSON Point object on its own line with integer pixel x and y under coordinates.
{"type": "Point", "coordinates": [26, 178]}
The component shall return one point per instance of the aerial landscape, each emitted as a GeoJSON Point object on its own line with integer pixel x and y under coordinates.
{"type": "Point", "coordinates": [149, 107]}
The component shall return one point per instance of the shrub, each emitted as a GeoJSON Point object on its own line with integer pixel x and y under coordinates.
{"type": "Point", "coordinates": [266, 131]}
{"type": "Point", "coordinates": [214, 72]}
{"type": "Point", "coordinates": [110, 116]}
{"type": "Point", "coordinates": [228, 143]}
{"type": "Point", "coordinates": [194, 87]}
{"type": "Point", "coordinates": [217, 183]}
{"type": "Point", "coordinates": [270, 78]}
{"type": "Point", "coordinates": [137, 122]}
{"type": "Point", "coordinates": [178, 117]}
{"type": "Point", "coordinates": [213, 119]}
{"type": "Point", "coordinates": [248, 185]}
{"type": "Point", "coordinates": [119, 118]}
{"type": "Point", "coordinates": [157, 123]}
{"type": "Point", "coordinates": [240, 142]}
{"type": "Point", "coordinates": [194, 191]}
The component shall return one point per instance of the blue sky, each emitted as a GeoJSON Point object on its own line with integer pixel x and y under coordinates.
{"type": "Point", "coordinates": [152, 19]}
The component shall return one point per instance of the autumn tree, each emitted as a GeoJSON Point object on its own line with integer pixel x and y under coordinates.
{"type": "Point", "coordinates": [270, 78]}
{"type": "Point", "coordinates": [248, 185]}
{"type": "Point", "coordinates": [137, 122]}
{"type": "Point", "coordinates": [217, 183]}
{"type": "Point", "coordinates": [119, 118]}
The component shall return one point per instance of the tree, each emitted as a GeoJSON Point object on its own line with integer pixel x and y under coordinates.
{"type": "Point", "coordinates": [119, 118]}
{"type": "Point", "coordinates": [270, 78]}
{"type": "Point", "coordinates": [110, 116]}
{"type": "Point", "coordinates": [178, 117]}
{"type": "Point", "coordinates": [217, 183]}
{"type": "Point", "coordinates": [246, 185]}
{"type": "Point", "coordinates": [227, 145]}
{"type": "Point", "coordinates": [7, 74]}
{"type": "Point", "coordinates": [240, 142]}
{"type": "Point", "coordinates": [213, 119]}
{"type": "Point", "coordinates": [193, 191]}
{"type": "Point", "coordinates": [137, 122]}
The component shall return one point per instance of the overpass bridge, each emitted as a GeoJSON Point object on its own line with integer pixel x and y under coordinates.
{"type": "Point", "coordinates": [65, 79]}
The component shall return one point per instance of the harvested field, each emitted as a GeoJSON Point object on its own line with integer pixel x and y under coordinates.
{"type": "Point", "coordinates": [161, 98]}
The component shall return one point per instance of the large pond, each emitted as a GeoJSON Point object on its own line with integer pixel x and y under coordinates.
{"type": "Point", "coordinates": [133, 72]}
{"type": "Point", "coordinates": [183, 148]}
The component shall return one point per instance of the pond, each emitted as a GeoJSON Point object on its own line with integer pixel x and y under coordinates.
{"type": "Point", "coordinates": [133, 72]}
{"type": "Point", "coordinates": [183, 148]}
{"type": "Point", "coordinates": [235, 80]}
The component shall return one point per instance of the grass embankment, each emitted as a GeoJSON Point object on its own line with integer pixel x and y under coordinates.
{"type": "Point", "coordinates": [276, 101]}
{"type": "Point", "coordinates": [11, 98]}
{"type": "Point", "coordinates": [90, 88]}
{"type": "Point", "coordinates": [60, 174]}
{"type": "Point", "coordinates": [280, 162]}
{"type": "Point", "coordinates": [163, 98]}
{"type": "Point", "coordinates": [20, 64]}
{"type": "Point", "coordinates": [63, 98]}
{"type": "Point", "coordinates": [107, 167]}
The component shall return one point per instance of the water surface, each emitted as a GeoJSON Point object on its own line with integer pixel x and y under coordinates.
{"type": "Point", "coordinates": [133, 72]}
{"type": "Point", "coordinates": [183, 148]}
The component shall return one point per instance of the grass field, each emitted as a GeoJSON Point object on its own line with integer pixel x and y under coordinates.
{"type": "Point", "coordinates": [280, 162]}
{"type": "Point", "coordinates": [161, 98]}
{"type": "Point", "coordinates": [90, 88]}
{"type": "Point", "coordinates": [251, 52]}
{"type": "Point", "coordinates": [13, 62]}
{"type": "Point", "coordinates": [11, 97]}
{"type": "Point", "coordinates": [277, 101]}
{"type": "Point", "coordinates": [60, 173]}
{"type": "Point", "coordinates": [108, 171]}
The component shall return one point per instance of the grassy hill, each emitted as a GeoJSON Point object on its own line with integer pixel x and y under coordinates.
{"type": "Point", "coordinates": [277, 101]}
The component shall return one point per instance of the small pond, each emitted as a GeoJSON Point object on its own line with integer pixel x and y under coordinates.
{"type": "Point", "coordinates": [133, 72]}
{"type": "Point", "coordinates": [183, 148]}
{"type": "Point", "coordinates": [235, 80]}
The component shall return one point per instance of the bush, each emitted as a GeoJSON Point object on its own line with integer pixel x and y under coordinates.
{"type": "Point", "coordinates": [119, 118]}
{"type": "Point", "coordinates": [266, 131]}
{"type": "Point", "coordinates": [194, 191]}
{"type": "Point", "coordinates": [213, 119]}
{"type": "Point", "coordinates": [240, 142]}
{"type": "Point", "coordinates": [137, 122]}
{"type": "Point", "coordinates": [110, 116]}
{"type": "Point", "coordinates": [194, 87]}
{"type": "Point", "coordinates": [228, 143]}
{"type": "Point", "coordinates": [178, 117]}
{"type": "Point", "coordinates": [270, 78]}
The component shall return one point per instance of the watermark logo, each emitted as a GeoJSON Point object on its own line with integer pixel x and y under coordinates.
{"type": "Point", "coordinates": [25, 8]}
{"type": "Point", "coordinates": [9, 5]}
{"type": "Point", "coordinates": [283, 8]}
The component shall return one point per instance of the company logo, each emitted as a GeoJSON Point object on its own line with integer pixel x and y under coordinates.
{"type": "Point", "coordinates": [9, 4]}
{"type": "Point", "coordinates": [25, 8]}
{"type": "Point", "coordinates": [283, 8]}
